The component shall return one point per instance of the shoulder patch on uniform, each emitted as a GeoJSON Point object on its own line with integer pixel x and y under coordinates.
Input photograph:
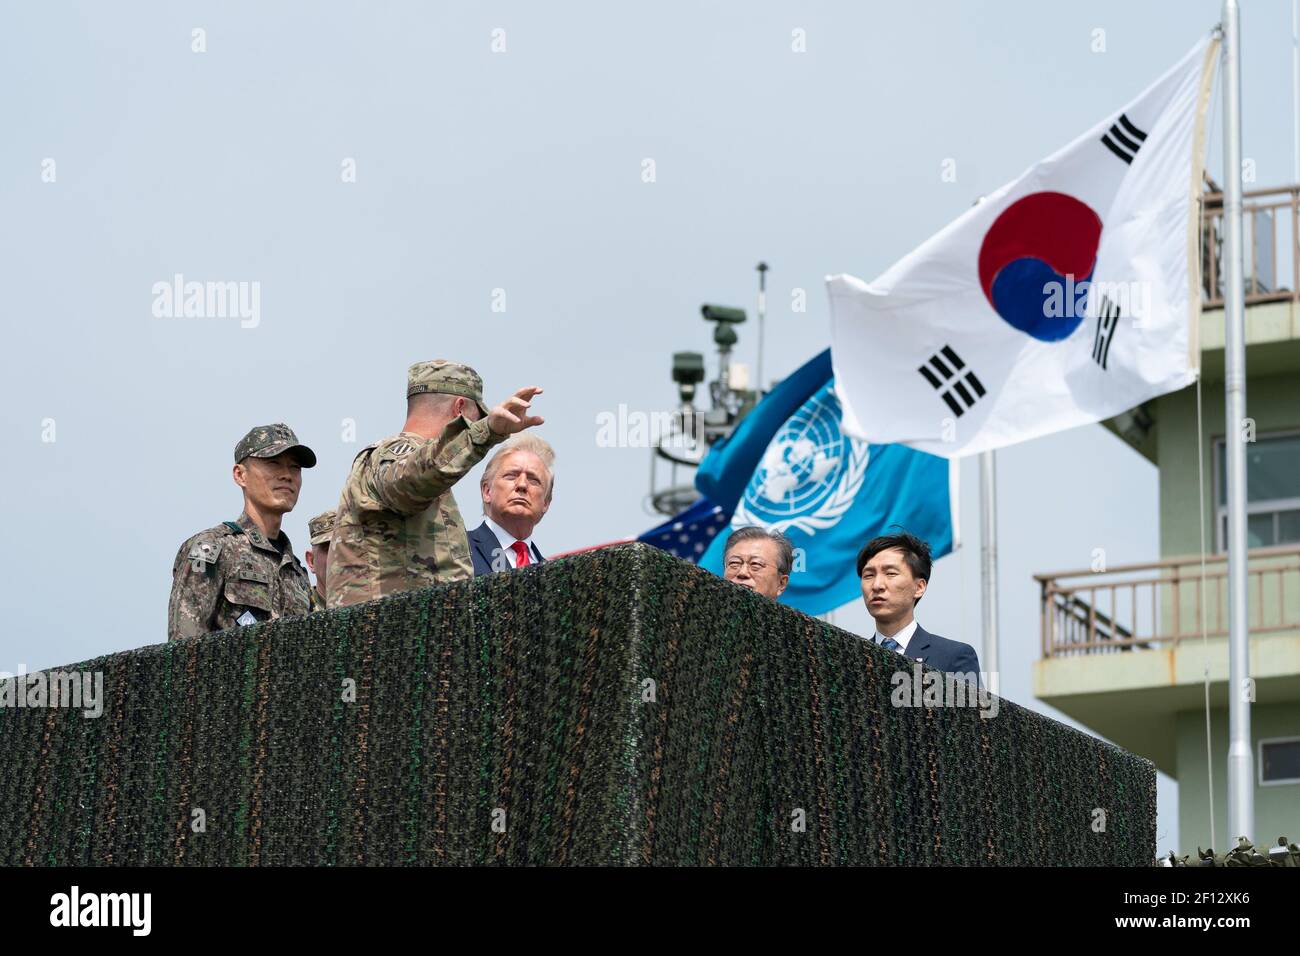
{"type": "Point", "coordinates": [396, 448]}
{"type": "Point", "coordinates": [204, 552]}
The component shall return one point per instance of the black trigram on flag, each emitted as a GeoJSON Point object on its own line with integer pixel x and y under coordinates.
{"type": "Point", "coordinates": [957, 385]}
{"type": "Point", "coordinates": [1107, 321]}
{"type": "Point", "coordinates": [1124, 139]}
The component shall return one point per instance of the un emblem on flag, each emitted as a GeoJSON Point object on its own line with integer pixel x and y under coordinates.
{"type": "Point", "coordinates": [810, 473]}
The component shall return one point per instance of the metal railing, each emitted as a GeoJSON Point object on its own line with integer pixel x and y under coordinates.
{"type": "Point", "coordinates": [1158, 604]}
{"type": "Point", "coordinates": [1262, 210]}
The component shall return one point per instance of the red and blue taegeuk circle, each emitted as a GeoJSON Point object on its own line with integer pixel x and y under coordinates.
{"type": "Point", "coordinates": [1039, 240]}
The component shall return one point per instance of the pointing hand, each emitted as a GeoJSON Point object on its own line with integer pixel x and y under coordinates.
{"type": "Point", "coordinates": [511, 415]}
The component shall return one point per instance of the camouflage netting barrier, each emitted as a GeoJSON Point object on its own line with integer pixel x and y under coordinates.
{"type": "Point", "coordinates": [519, 703]}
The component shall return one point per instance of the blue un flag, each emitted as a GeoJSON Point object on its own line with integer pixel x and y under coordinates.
{"type": "Point", "coordinates": [790, 468]}
{"type": "Point", "coordinates": [730, 463]}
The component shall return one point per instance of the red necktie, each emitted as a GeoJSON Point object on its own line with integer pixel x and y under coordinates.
{"type": "Point", "coordinates": [521, 554]}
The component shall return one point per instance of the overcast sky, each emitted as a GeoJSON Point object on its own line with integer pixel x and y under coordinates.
{"type": "Point", "coordinates": [130, 158]}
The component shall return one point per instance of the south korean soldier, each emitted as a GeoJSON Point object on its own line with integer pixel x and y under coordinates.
{"type": "Point", "coordinates": [245, 571]}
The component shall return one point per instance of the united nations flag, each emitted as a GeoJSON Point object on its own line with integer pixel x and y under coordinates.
{"type": "Point", "coordinates": [790, 468]}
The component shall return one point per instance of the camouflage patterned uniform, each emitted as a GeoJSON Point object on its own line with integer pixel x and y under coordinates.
{"type": "Point", "coordinates": [225, 573]}
{"type": "Point", "coordinates": [398, 527]}
{"type": "Point", "coordinates": [320, 528]}
{"type": "Point", "coordinates": [231, 575]}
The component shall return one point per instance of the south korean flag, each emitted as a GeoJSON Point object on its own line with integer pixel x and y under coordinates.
{"type": "Point", "coordinates": [1068, 296]}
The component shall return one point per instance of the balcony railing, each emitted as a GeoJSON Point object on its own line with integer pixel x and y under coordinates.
{"type": "Point", "coordinates": [1272, 268]}
{"type": "Point", "coordinates": [1144, 606]}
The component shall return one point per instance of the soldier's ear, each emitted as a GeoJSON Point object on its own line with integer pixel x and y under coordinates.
{"type": "Point", "coordinates": [310, 558]}
{"type": "Point", "coordinates": [240, 474]}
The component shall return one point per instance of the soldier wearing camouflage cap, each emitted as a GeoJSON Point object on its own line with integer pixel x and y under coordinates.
{"type": "Point", "coordinates": [398, 527]}
{"type": "Point", "coordinates": [320, 528]}
{"type": "Point", "coordinates": [244, 571]}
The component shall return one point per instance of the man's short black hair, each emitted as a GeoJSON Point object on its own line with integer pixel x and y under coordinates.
{"type": "Point", "coordinates": [915, 552]}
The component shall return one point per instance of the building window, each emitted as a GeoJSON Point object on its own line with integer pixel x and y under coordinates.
{"type": "Point", "coordinates": [1272, 491]}
{"type": "Point", "coordinates": [1279, 761]}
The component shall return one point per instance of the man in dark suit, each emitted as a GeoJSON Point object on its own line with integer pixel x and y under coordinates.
{"type": "Point", "coordinates": [516, 487]}
{"type": "Point", "coordinates": [895, 572]}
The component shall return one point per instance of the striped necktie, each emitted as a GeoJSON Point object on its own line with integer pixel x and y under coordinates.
{"type": "Point", "coordinates": [889, 644]}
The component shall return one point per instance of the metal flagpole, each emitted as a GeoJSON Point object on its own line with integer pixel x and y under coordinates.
{"type": "Point", "coordinates": [989, 560]}
{"type": "Point", "coordinates": [1295, 93]}
{"type": "Point", "coordinates": [1241, 782]}
{"type": "Point", "coordinates": [989, 565]}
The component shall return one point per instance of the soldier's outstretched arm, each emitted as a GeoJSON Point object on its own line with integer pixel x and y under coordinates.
{"type": "Point", "coordinates": [407, 480]}
{"type": "Point", "coordinates": [196, 589]}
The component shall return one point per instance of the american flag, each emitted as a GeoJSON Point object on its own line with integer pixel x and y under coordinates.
{"type": "Point", "coordinates": [689, 534]}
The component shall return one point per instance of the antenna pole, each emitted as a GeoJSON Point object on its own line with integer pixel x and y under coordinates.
{"type": "Point", "coordinates": [762, 315]}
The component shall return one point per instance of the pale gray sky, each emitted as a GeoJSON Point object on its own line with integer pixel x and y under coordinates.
{"type": "Point", "coordinates": [518, 170]}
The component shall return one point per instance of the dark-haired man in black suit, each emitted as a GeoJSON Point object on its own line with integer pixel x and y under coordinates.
{"type": "Point", "coordinates": [895, 571]}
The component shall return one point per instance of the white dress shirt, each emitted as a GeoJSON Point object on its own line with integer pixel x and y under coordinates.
{"type": "Point", "coordinates": [902, 637]}
{"type": "Point", "coordinates": [507, 541]}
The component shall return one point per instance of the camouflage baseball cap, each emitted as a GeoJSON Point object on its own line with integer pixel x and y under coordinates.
{"type": "Point", "coordinates": [449, 378]}
{"type": "Point", "coordinates": [321, 527]}
{"type": "Point", "coordinates": [267, 441]}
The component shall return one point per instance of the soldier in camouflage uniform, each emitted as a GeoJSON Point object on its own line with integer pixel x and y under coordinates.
{"type": "Point", "coordinates": [244, 571]}
{"type": "Point", "coordinates": [397, 527]}
{"type": "Point", "coordinates": [320, 528]}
